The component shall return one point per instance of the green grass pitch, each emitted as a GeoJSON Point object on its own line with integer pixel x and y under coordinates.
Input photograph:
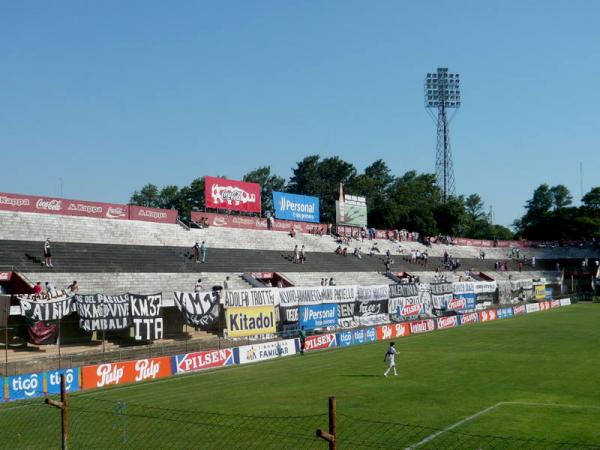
{"type": "Point", "coordinates": [531, 377]}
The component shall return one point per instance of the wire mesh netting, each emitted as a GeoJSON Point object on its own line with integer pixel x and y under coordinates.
{"type": "Point", "coordinates": [100, 423]}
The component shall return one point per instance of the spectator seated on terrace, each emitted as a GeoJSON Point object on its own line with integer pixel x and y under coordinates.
{"type": "Point", "coordinates": [357, 253]}
{"type": "Point", "coordinates": [292, 232]}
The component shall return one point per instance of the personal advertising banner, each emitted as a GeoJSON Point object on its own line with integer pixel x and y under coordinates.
{"type": "Point", "coordinates": [267, 350]}
{"type": "Point", "coordinates": [321, 341]}
{"type": "Point", "coordinates": [505, 313]}
{"type": "Point", "coordinates": [393, 331]}
{"type": "Point", "coordinates": [211, 359]}
{"type": "Point", "coordinates": [62, 206]}
{"type": "Point", "coordinates": [469, 318]}
{"type": "Point", "coordinates": [296, 207]}
{"type": "Point", "coordinates": [447, 322]}
{"type": "Point", "coordinates": [125, 372]}
{"type": "Point", "coordinates": [318, 316]}
{"type": "Point", "coordinates": [21, 387]}
{"type": "Point", "coordinates": [250, 321]}
{"type": "Point", "coordinates": [221, 193]}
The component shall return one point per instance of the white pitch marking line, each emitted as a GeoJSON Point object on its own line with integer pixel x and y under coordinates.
{"type": "Point", "coordinates": [454, 425]}
{"type": "Point", "coordinates": [486, 410]}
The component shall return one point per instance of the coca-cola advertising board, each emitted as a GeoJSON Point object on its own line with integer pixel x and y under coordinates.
{"type": "Point", "coordinates": [62, 206]}
{"type": "Point", "coordinates": [125, 372]}
{"type": "Point", "coordinates": [153, 214]}
{"type": "Point", "coordinates": [256, 223]}
{"type": "Point", "coordinates": [392, 331]}
{"type": "Point", "coordinates": [221, 193]}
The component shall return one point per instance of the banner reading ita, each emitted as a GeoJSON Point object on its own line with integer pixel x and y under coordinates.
{"type": "Point", "coordinates": [250, 321]}
{"type": "Point", "coordinates": [221, 193]}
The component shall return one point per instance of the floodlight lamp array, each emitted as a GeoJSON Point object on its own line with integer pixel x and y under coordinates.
{"type": "Point", "coordinates": [442, 89]}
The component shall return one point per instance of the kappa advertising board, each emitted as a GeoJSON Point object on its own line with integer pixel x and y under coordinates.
{"type": "Point", "coordinates": [193, 362]}
{"type": "Point", "coordinates": [267, 350]}
{"type": "Point", "coordinates": [62, 206]}
{"type": "Point", "coordinates": [221, 193]}
{"type": "Point", "coordinates": [392, 331]}
{"type": "Point", "coordinates": [318, 316]}
{"type": "Point", "coordinates": [321, 341]}
{"type": "Point", "coordinates": [302, 208]}
{"type": "Point", "coordinates": [125, 372]}
{"type": "Point", "coordinates": [250, 321]}
{"type": "Point", "coordinates": [153, 214]}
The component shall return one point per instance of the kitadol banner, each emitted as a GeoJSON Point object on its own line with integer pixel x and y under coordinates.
{"type": "Point", "coordinates": [318, 316]}
{"type": "Point", "coordinates": [296, 207]}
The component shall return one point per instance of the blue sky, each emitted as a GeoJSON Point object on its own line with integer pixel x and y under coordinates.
{"type": "Point", "coordinates": [112, 95]}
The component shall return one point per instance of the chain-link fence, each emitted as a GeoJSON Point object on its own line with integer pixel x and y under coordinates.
{"type": "Point", "coordinates": [100, 423]}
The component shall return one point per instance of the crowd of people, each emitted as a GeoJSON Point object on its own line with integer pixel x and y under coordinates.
{"type": "Point", "coordinates": [49, 289]}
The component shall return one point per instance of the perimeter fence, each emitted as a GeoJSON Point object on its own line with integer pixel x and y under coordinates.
{"type": "Point", "coordinates": [100, 423]}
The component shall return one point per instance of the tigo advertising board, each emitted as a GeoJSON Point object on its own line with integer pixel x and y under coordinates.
{"type": "Point", "coordinates": [296, 207]}
{"type": "Point", "coordinates": [53, 380]}
{"type": "Point", "coordinates": [22, 387]}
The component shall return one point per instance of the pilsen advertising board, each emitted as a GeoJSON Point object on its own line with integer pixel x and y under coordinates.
{"type": "Point", "coordinates": [255, 223]}
{"type": "Point", "coordinates": [81, 208]}
{"type": "Point", "coordinates": [221, 193]}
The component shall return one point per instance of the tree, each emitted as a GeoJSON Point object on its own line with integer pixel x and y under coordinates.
{"type": "Point", "coordinates": [269, 182]}
{"type": "Point", "coordinates": [561, 197]}
{"type": "Point", "coordinates": [147, 196]}
{"type": "Point", "coordinates": [169, 198]}
{"type": "Point", "coordinates": [474, 208]}
{"type": "Point", "coordinates": [591, 200]}
{"type": "Point", "coordinates": [451, 216]}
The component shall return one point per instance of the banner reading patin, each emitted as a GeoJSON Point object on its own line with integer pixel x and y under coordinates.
{"type": "Point", "coordinates": [44, 308]}
{"type": "Point", "coordinates": [250, 321]}
{"type": "Point", "coordinates": [192, 362]}
{"type": "Point", "coordinates": [267, 350]}
{"type": "Point", "coordinates": [125, 372]}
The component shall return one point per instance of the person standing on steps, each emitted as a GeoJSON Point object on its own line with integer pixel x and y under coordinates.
{"type": "Point", "coordinates": [198, 287]}
{"type": "Point", "coordinates": [390, 358]}
{"type": "Point", "coordinates": [226, 283]}
{"type": "Point", "coordinates": [203, 250]}
{"type": "Point", "coordinates": [196, 249]}
{"type": "Point", "coordinates": [47, 254]}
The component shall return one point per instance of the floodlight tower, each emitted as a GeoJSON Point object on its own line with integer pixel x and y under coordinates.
{"type": "Point", "coordinates": [442, 92]}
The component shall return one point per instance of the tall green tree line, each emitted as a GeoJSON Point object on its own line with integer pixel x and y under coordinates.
{"type": "Point", "coordinates": [411, 201]}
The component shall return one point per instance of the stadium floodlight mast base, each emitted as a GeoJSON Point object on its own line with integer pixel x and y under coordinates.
{"type": "Point", "coordinates": [442, 92]}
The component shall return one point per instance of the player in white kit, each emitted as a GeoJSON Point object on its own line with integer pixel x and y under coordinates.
{"type": "Point", "coordinates": [390, 357]}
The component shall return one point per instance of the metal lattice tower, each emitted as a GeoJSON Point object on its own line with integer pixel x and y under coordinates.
{"type": "Point", "coordinates": [442, 92]}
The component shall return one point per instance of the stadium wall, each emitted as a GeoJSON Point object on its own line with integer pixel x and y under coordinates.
{"type": "Point", "coordinates": [27, 386]}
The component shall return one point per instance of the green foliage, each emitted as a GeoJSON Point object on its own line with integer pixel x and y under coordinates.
{"type": "Point", "coordinates": [550, 216]}
{"type": "Point", "coordinates": [411, 201]}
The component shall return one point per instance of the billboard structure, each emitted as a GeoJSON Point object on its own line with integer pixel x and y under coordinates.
{"type": "Point", "coordinates": [296, 207]}
{"type": "Point", "coordinates": [221, 193]}
{"type": "Point", "coordinates": [351, 211]}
